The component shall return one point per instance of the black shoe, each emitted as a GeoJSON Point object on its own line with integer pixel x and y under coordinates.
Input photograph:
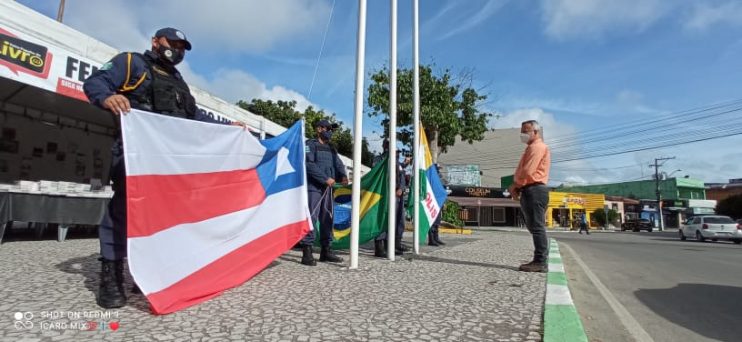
{"type": "Point", "coordinates": [379, 250]}
{"type": "Point", "coordinates": [431, 240]}
{"type": "Point", "coordinates": [532, 266]}
{"type": "Point", "coordinates": [437, 238]}
{"type": "Point", "coordinates": [306, 256]}
{"type": "Point", "coordinates": [111, 289]}
{"type": "Point", "coordinates": [326, 255]}
{"type": "Point", "coordinates": [400, 247]}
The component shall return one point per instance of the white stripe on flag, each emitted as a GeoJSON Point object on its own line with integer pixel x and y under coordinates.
{"type": "Point", "coordinates": [162, 263]}
{"type": "Point", "coordinates": [198, 147]}
{"type": "Point", "coordinates": [434, 205]}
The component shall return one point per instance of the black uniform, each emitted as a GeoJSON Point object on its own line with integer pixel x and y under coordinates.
{"type": "Point", "coordinates": [149, 85]}
{"type": "Point", "coordinates": [322, 163]}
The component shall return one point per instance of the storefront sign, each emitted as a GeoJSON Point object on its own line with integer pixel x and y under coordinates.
{"type": "Point", "coordinates": [476, 191]}
{"type": "Point", "coordinates": [575, 200]}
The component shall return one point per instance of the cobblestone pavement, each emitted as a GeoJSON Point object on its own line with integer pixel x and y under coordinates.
{"type": "Point", "coordinates": [469, 290]}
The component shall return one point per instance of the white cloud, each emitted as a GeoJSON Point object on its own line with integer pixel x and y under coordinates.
{"type": "Point", "coordinates": [705, 15]}
{"type": "Point", "coordinates": [567, 19]}
{"type": "Point", "coordinates": [633, 101]}
{"type": "Point", "coordinates": [233, 85]}
{"type": "Point", "coordinates": [230, 26]}
{"type": "Point", "coordinates": [552, 128]}
{"type": "Point", "coordinates": [481, 15]}
{"type": "Point", "coordinates": [248, 26]}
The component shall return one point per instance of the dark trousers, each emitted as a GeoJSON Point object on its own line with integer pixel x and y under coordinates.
{"type": "Point", "coordinates": [533, 202]}
{"type": "Point", "coordinates": [321, 209]}
{"type": "Point", "coordinates": [112, 231]}
{"type": "Point", "coordinates": [436, 223]}
{"type": "Point", "coordinates": [583, 226]}
{"type": "Point", "coordinates": [399, 229]}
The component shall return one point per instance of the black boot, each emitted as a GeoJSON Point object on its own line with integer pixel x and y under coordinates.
{"type": "Point", "coordinates": [437, 238]}
{"type": "Point", "coordinates": [379, 250]}
{"type": "Point", "coordinates": [111, 289]}
{"type": "Point", "coordinates": [326, 255]}
{"type": "Point", "coordinates": [431, 239]}
{"type": "Point", "coordinates": [306, 257]}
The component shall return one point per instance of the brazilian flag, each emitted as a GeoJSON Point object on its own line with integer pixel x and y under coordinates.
{"type": "Point", "coordinates": [374, 208]}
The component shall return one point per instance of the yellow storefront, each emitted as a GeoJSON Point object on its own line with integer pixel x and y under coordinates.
{"type": "Point", "coordinates": [565, 207]}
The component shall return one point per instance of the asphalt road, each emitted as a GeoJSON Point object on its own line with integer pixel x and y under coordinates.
{"type": "Point", "coordinates": [675, 290]}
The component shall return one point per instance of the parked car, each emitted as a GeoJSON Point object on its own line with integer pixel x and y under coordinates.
{"type": "Point", "coordinates": [713, 227]}
{"type": "Point", "coordinates": [637, 225]}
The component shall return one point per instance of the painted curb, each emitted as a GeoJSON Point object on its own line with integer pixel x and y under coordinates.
{"type": "Point", "coordinates": [561, 320]}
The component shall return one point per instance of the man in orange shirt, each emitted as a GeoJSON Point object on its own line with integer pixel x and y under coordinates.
{"type": "Point", "coordinates": [529, 185]}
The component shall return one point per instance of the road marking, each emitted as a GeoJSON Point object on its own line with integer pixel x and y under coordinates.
{"type": "Point", "coordinates": [558, 295]}
{"type": "Point", "coordinates": [634, 328]}
{"type": "Point", "coordinates": [561, 321]}
{"type": "Point", "coordinates": [556, 268]}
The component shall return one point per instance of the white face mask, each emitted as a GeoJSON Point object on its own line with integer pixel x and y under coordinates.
{"type": "Point", "coordinates": [525, 137]}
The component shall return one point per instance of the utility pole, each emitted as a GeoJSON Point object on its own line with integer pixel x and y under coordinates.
{"type": "Point", "coordinates": [657, 188]}
{"type": "Point", "coordinates": [60, 13]}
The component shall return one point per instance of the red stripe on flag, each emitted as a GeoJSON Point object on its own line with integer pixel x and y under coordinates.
{"type": "Point", "coordinates": [228, 271]}
{"type": "Point", "coordinates": [158, 202]}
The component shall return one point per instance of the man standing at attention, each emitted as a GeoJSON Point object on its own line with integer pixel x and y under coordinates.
{"type": "Point", "coordinates": [529, 185]}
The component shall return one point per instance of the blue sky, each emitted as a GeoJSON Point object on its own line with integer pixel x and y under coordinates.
{"type": "Point", "coordinates": [577, 65]}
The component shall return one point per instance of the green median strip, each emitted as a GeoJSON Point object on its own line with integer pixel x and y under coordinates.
{"type": "Point", "coordinates": [561, 321]}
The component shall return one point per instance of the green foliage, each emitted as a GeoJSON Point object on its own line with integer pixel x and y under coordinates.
{"type": "Point", "coordinates": [447, 108]}
{"type": "Point", "coordinates": [599, 216]}
{"type": "Point", "coordinates": [285, 114]}
{"type": "Point", "coordinates": [730, 206]}
{"type": "Point", "coordinates": [451, 213]}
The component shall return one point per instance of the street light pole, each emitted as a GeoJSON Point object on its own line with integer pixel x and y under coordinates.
{"type": "Point", "coordinates": [60, 12]}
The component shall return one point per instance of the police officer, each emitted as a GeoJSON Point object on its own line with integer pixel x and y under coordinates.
{"type": "Point", "coordinates": [400, 189]}
{"type": "Point", "coordinates": [149, 82]}
{"type": "Point", "coordinates": [323, 168]}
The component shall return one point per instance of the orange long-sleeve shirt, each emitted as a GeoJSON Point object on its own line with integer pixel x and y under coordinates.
{"type": "Point", "coordinates": [534, 165]}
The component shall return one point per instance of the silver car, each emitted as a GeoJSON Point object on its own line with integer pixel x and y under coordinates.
{"type": "Point", "coordinates": [712, 227]}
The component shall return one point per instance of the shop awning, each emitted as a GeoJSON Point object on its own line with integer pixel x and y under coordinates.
{"type": "Point", "coordinates": [484, 201]}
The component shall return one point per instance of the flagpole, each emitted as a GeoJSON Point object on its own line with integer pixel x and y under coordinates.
{"type": "Point", "coordinates": [357, 136]}
{"type": "Point", "coordinates": [416, 125]}
{"type": "Point", "coordinates": [391, 232]}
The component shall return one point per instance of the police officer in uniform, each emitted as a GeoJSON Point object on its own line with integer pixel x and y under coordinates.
{"type": "Point", "coordinates": [324, 167]}
{"type": "Point", "coordinates": [149, 82]}
{"type": "Point", "coordinates": [401, 188]}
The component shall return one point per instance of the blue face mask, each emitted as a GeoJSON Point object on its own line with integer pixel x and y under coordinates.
{"type": "Point", "coordinates": [326, 135]}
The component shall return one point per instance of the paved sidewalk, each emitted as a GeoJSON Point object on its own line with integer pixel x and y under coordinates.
{"type": "Point", "coordinates": [470, 290]}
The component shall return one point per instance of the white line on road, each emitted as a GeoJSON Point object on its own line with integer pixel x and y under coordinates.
{"type": "Point", "coordinates": [636, 330]}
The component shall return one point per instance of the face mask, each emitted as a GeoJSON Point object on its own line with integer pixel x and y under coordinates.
{"type": "Point", "coordinates": [326, 135]}
{"type": "Point", "coordinates": [169, 55]}
{"type": "Point", "coordinates": [525, 137]}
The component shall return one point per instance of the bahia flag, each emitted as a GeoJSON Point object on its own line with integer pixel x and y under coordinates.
{"type": "Point", "coordinates": [209, 206]}
{"type": "Point", "coordinates": [373, 211]}
{"type": "Point", "coordinates": [432, 192]}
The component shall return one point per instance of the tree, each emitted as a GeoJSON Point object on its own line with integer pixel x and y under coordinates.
{"type": "Point", "coordinates": [447, 108]}
{"type": "Point", "coordinates": [730, 206]}
{"type": "Point", "coordinates": [285, 114]}
{"type": "Point", "coordinates": [599, 216]}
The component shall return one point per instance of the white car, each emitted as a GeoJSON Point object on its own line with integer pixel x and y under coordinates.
{"type": "Point", "coordinates": [713, 227]}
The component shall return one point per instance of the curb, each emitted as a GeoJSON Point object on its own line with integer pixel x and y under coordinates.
{"type": "Point", "coordinates": [561, 320]}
